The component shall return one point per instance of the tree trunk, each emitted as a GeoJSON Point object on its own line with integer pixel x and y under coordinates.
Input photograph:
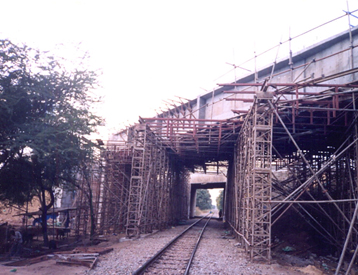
{"type": "Point", "coordinates": [90, 201]}
{"type": "Point", "coordinates": [44, 209]}
{"type": "Point", "coordinates": [44, 224]}
{"type": "Point", "coordinates": [93, 224]}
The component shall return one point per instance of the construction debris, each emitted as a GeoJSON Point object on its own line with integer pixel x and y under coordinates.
{"type": "Point", "coordinates": [25, 262]}
{"type": "Point", "coordinates": [85, 256]}
{"type": "Point", "coordinates": [85, 259]}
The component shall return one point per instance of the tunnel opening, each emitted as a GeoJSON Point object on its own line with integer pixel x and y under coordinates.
{"type": "Point", "coordinates": [203, 203]}
{"type": "Point", "coordinates": [208, 201]}
{"type": "Point", "coordinates": [208, 185]}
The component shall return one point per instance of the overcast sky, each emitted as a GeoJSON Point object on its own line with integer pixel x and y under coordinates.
{"type": "Point", "coordinates": [151, 51]}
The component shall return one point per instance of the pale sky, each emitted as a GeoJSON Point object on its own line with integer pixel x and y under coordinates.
{"type": "Point", "coordinates": [154, 50]}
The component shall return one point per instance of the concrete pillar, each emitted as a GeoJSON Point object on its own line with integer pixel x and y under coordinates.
{"type": "Point", "coordinates": [192, 201]}
{"type": "Point", "coordinates": [200, 102]}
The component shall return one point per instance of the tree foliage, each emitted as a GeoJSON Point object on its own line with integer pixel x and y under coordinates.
{"type": "Point", "coordinates": [203, 199]}
{"type": "Point", "coordinates": [220, 200]}
{"type": "Point", "coordinates": [44, 115]}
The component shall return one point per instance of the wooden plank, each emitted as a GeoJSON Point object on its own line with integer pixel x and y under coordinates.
{"type": "Point", "coordinates": [91, 249]}
{"type": "Point", "coordinates": [86, 249]}
{"type": "Point", "coordinates": [74, 263]}
{"type": "Point", "coordinates": [94, 262]}
{"type": "Point", "coordinates": [78, 262]}
{"type": "Point", "coordinates": [76, 255]}
{"type": "Point", "coordinates": [29, 261]}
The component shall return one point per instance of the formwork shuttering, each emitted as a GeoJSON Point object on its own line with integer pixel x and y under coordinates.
{"type": "Point", "coordinates": [293, 151]}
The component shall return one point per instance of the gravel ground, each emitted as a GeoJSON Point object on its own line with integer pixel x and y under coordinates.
{"type": "Point", "coordinates": [215, 255]}
{"type": "Point", "coordinates": [219, 255]}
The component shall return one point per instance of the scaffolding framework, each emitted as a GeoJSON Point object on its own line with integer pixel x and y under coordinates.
{"type": "Point", "coordinates": [252, 188]}
{"type": "Point", "coordinates": [145, 182]}
{"type": "Point", "coordinates": [281, 163]}
{"type": "Point", "coordinates": [293, 153]}
{"type": "Point", "coordinates": [114, 189]}
{"type": "Point", "coordinates": [137, 185]}
{"type": "Point", "coordinates": [317, 167]}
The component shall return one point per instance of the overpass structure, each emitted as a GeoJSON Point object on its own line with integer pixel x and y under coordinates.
{"type": "Point", "coordinates": [287, 136]}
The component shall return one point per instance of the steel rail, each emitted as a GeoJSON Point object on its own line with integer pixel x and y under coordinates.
{"type": "Point", "coordinates": [142, 269]}
{"type": "Point", "coordinates": [196, 247]}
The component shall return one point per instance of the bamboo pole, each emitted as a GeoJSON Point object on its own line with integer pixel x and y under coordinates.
{"type": "Point", "coordinates": [324, 201]}
{"type": "Point", "coordinates": [315, 174]}
{"type": "Point", "coordinates": [347, 240]}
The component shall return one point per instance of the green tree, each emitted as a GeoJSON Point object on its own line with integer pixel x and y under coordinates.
{"type": "Point", "coordinates": [203, 199]}
{"type": "Point", "coordinates": [44, 115]}
{"type": "Point", "coordinates": [219, 200]}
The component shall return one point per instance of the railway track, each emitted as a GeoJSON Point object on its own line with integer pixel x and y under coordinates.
{"type": "Point", "coordinates": [177, 255]}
